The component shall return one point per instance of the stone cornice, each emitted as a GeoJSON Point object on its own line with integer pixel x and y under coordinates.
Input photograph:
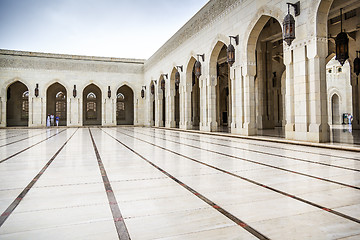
{"type": "Point", "coordinates": [73, 57]}
{"type": "Point", "coordinates": [207, 15]}
{"type": "Point", "coordinates": [60, 62]}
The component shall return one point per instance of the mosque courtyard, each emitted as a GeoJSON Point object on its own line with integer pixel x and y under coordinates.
{"type": "Point", "coordinates": [151, 183]}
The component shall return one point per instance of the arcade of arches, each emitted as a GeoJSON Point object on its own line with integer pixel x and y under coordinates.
{"type": "Point", "coordinates": [294, 91]}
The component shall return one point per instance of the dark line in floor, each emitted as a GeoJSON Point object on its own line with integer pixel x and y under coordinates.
{"type": "Point", "coordinates": [252, 181]}
{"type": "Point", "coordinates": [262, 164]}
{"type": "Point", "coordinates": [13, 155]}
{"type": "Point", "coordinates": [21, 196]}
{"type": "Point", "coordinates": [261, 145]}
{"type": "Point", "coordinates": [202, 197]}
{"type": "Point", "coordinates": [115, 210]}
{"type": "Point", "coordinates": [7, 144]}
{"type": "Point", "coordinates": [261, 152]}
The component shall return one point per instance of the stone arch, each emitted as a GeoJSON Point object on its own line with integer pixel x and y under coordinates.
{"type": "Point", "coordinates": [125, 105]}
{"type": "Point", "coordinates": [189, 70]}
{"type": "Point", "coordinates": [11, 81]}
{"type": "Point", "coordinates": [174, 106]}
{"type": "Point", "coordinates": [56, 105]}
{"type": "Point", "coordinates": [48, 84]}
{"type": "Point", "coordinates": [322, 17]}
{"type": "Point", "coordinates": [214, 57]}
{"type": "Point", "coordinates": [335, 109]}
{"type": "Point", "coordinates": [17, 104]}
{"type": "Point", "coordinates": [92, 108]}
{"type": "Point", "coordinates": [255, 27]}
{"type": "Point", "coordinates": [152, 104]}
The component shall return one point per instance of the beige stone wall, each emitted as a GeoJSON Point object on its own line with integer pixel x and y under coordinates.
{"type": "Point", "coordinates": [301, 88]}
{"type": "Point", "coordinates": [46, 69]}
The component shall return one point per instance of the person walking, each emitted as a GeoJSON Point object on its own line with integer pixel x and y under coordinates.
{"type": "Point", "coordinates": [48, 121]}
{"type": "Point", "coordinates": [57, 121]}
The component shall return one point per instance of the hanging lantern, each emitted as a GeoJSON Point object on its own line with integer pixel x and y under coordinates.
{"type": "Point", "coordinates": [357, 64]}
{"type": "Point", "coordinates": [142, 93]}
{"type": "Point", "coordinates": [197, 69]}
{"type": "Point", "coordinates": [177, 76]}
{"type": "Point", "coordinates": [342, 44]}
{"type": "Point", "coordinates": [74, 91]}
{"type": "Point", "coordinates": [163, 84]}
{"type": "Point", "coordinates": [289, 27]}
{"type": "Point", "coordinates": [37, 90]}
{"type": "Point", "coordinates": [109, 92]}
{"type": "Point", "coordinates": [152, 89]}
{"type": "Point", "coordinates": [230, 52]}
{"type": "Point", "coordinates": [198, 65]}
{"type": "Point", "coordinates": [177, 79]}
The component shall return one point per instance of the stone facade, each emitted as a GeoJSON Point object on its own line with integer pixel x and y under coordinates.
{"type": "Point", "coordinates": [269, 85]}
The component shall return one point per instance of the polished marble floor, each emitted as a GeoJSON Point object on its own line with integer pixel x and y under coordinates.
{"type": "Point", "coordinates": [146, 183]}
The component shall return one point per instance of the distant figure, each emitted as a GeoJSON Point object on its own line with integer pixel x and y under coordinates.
{"type": "Point", "coordinates": [52, 120]}
{"type": "Point", "coordinates": [350, 119]}
{"type": "Point", "coordinates": [57, 121]}
{"type": "Point", "coordinates": [48, 121]}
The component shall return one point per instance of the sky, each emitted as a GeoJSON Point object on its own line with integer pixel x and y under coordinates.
{"type": "Point", "coordinates": [107, 28]}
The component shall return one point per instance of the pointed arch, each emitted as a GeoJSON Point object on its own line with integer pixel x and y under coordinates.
{"type": "Point", "coordinates": [92, 107]}
{"type": "Point", "coordinates": [17, 104]}
{"type": "Point", "coordinates": [124, 105]}
{"type": "Point", "coordinates": [55, 106]}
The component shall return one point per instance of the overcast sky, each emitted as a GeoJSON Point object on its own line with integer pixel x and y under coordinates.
{"type": "Point", "coordinates": [110, 28]}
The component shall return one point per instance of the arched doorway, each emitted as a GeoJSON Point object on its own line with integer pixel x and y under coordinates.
{"type": "Point", "coordinates": [161, 102]}
{"type": "Point", "coordinates": [56, 96]}
{"type": "Point", "coordinates": [175, 102]}
{"type": "Point", "coordinates": [341, 77]}
{"type": "Point", "coordinates": [92, 105]}
{"type": "Point", "coordinates": [269, 89]}
{"type": "Point", "coordinates": [218, 63]}
{"type": "Point", "coordinates": [124, 106]}
{"type": "Point", "coordinates": [335, 109]}
{"type": "Point", "coordinates": [17, 105]}
{"type": "Point", "coordinates": [152, 104]}
{"type": "Point", "coordinates": [195, 100]}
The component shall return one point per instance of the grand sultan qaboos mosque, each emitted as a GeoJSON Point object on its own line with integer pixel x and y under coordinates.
{"type": "Point", "coordinates": [236, 66]}
{"type": "Point", "coordinates": [245, 124]}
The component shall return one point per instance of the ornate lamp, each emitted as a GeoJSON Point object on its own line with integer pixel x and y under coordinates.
{"type": "Point", "coordinates": [163, 84]}
{"type": "Point", "coordinates": [109, 92]}
{"type": "Point", "coordinates": [231, 50]}
{"type": "Point", "coordinates": [152, 89]}
{"type": "Point", "coordinates": [198, 65]}
{"type": "Point", "coordinates": [289, 23]}
{"type": "Point", "coordinates": [177, 75]}
{"type": "Point", "coordinates": [143, 91]}
{"type": "Point", "coordinates": [37, 90]}
{"type": "Point", "coordinates": [74, 91]}
{"type": "Point", "coordinates": [357, 64]}
{"type": "Point", "coordinates": [342, 44]}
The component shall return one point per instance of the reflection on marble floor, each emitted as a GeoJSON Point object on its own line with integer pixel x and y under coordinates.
{"type": "Point", "coordinates": [173, 185]}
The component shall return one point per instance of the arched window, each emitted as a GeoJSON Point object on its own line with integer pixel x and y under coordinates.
{"type": "Point", "coordinates": [91, 106]}
{"type": "Point", "coordinates": [25, 105]}
{"type": "Point", "coordinates": [60, 105]}
{"type": "Point", "coordinates": [120, 106]}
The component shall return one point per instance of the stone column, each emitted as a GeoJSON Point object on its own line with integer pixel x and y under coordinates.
{"type": "Point", "coordinates": [186, 105]}
{"type": "Point", "coordinates": [36, 111]}
{"type": "Point", "coordinates": [210, 105]}
{"type": "Point", "coordinates": [3, 111]}
{"type": "Point", "coordinates": [158, 106]}
{"type": "Point", "coordinates": [319, 130]}
{"type": "Point", "coordinates": [289, 94]}
{"type": "Point", "coordinates": [238, 99]}
{"type": "Point", "coordinates": [249, 101]}
{"type": "Point", "coordinates": [108, 112]}
{"type": "Point", "coordinates": [170, 116]}
{"type": "Point", "coordinates": [73, 114]}
{"type": "Point", "coordinates": [233, 98]}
